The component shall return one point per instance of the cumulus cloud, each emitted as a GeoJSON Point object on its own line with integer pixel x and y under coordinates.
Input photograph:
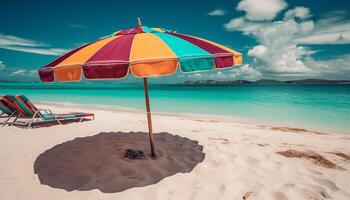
{"type": "Point", "coordinates": [234, 23]}
{"type": "Point", "coordinates": [258, 10]}
{"type": "Point", "coordinates": [258, 51]}
{"type": "Point", "coordinates": [15, 43]}
{"type": "Point", "coordinates": [23, 72]}
{"type": "Point", "coordinates": [217, 12]}
{"type": "Point", "coordinates": [245, 72]}
{"type": "Point", "coordinates": [20, 72]}
{"type": "Point", "coordinates": [329, 31]}
{"type": "Point", "coordinates": [239, 72]}
{"type": "Point", "coordinates": [282, 50]}
{"type": "Point", "coordinates": [337, 68]}
{"type": "Point", "coordinates": [17, 73]}
{"type": "Point", "coordinates": [278, 53]}
{"type": "Point", "coordinates": [298, 12]}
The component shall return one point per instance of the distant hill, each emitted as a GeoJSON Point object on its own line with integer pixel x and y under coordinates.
{"type": "Point", "coordinates": [218, 82]}
{"type": "Point", "coordinates": [4, 81]}
{"type": "Point", "coordinates": [267, 82]}
{"type": "Point", "coordinates": [318, 81]}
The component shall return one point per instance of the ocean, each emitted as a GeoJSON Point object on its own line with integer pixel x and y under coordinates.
{"type": "Point", "coordinates": [321, 107]}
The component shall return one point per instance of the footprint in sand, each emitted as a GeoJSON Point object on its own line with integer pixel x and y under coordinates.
{"type": "Point", "coordinates": [252, 161]}
{"type": "Point", "coordinates": [344, 156]}
{"type": "Point", "coordinates": [223, 140]}
{"type": "Point", "coordinates": [222, 189]}
{"type": "Point", "coordinates": [327, 183]}
{"type": "Point", "coordinates": [262, 145]}
{"type": "Point", "coordinates": [278, 165]}
{"type": "Point", "coordinates": [289, 185]}
{"type": "Point", "coordinates": [307, 194]}
{"type": "Point", "coordinates": [279, 196]}
{"type": "Point", "coordinates": [315, 172]}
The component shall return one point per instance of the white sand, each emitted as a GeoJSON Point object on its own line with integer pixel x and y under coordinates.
{"type": "Point", "coordinates": [240, 159]}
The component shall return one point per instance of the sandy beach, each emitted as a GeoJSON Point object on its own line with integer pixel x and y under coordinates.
{"type": "Point", "coordinates": [200, 157]}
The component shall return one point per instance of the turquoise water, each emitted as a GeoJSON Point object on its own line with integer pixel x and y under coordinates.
{"type": "Point", "coordinates": [309, 106]}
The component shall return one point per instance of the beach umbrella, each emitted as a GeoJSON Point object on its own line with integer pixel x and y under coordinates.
{"type": "Point", "coordinates": [143, 52]}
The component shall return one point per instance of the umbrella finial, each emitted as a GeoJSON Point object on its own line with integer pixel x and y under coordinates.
{"type": "Point", "coordinates": [139, 24]}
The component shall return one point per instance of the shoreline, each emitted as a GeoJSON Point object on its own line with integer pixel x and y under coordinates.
{"type": "Point", "coordinates": [214, 117]}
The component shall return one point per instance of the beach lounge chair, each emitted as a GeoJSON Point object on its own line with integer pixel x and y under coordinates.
{"type": "Point", "coordinates": [28, 110]}
{"type": "Point", "coordinates": [7, 111]}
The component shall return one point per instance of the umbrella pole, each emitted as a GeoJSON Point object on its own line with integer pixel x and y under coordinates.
{"type": "Point", "coordinates": [149, 120]}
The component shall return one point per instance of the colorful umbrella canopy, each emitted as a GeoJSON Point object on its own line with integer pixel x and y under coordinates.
{"type": "Point", "coordinates": [143, 52]}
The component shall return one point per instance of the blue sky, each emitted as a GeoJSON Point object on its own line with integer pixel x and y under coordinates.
{"type": "Point", "coordinates": [279, 39]}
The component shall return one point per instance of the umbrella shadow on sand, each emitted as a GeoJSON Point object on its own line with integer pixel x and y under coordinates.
{"type": "Point", "coordinates": [98, 162]}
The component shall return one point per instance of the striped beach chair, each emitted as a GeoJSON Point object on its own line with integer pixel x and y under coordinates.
{"type": "Point", "coordinates": [28, 110]}
{"type": "Point", "coordinates": [7, 111]}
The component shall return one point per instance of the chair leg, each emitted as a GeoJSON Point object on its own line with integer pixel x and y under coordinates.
{"type": "Point", "coordinates": [16, 118]}
{"type": "Point", "coordinates": [31, 122]}
{"type": "Point", "coordinates": [5, 122]}
{"type": "Point", "coordinates": [8, 119]}
{"type": "Point", "coordinates": [36, 114]}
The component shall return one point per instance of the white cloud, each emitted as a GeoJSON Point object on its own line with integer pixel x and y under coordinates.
{"type": "Point", "coordinates": [337, 68]}
{"type": "Point", "coordinates": [332, 28]}
{"type": "Point", "coordinates": [245, 26]}
{"type": "Point", "coordinates": [298, 12]}
{"type": "Point", "coordinates": [79, 26]}
{"type": "Point", "coordinates": [23, 72]}
{"type": "Point", "coordinates": [234, 23]}
{"type": "Point", "coordinates": [27, 45]}
{"type": "Point", "coordinates": [324, 31]}
{"type": "Point", "coordinates": [218, 75]}
{"type": "Point", "coordinates": [217, 12]}
{"type": "Point", "coordinates": [259, 10]}
{"type": "Point", "coordinates": [20, 72]}
{"type": "Point", "coordinates": [257, 51]}
{"type": "Point", "coordinates": [326, 38]}
{"type": "Point", "coordinates": [281, 50]}
{"type": "Point", "coordinates": [9, 40]}
{"type": "Point", "coordinates": [278, 54]}
{"type": "Point", "coordinates": [329, 32]}
{"type": "Point", "coordinates": [244, 72]}
{"type": "Point", "coordinates": [307, 26]}
{"type": "Point", "coordinates": [240, 72]}
{"type": "Point", "coordinates": [17, 73]}
{"type": "Point", "coordinates": [2, 65]}
{"type": "Point", "coordinates": [49, 51]}
{"type": "Point", "coordinates": [334, 15]}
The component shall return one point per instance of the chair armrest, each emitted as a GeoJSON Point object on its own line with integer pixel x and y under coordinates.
{"type": "Point", "coordinates": [47, 111]}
